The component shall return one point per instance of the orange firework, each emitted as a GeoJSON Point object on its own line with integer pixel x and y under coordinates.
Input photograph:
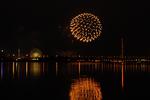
{"type": "Point", "coordinates": [85, 27]}
{"type": "Point", "coordinates": [85, 89]}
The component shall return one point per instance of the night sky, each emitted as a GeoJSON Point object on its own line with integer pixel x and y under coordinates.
{"type": "Point", "coordinates": [44, 24]}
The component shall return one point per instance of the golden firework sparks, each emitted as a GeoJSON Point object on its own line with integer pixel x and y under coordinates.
{"type": "Point", "coordinates": [86, 27]}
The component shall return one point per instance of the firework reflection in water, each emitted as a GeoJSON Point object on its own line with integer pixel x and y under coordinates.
{"type": "Point", "coordinates": [85, 89]}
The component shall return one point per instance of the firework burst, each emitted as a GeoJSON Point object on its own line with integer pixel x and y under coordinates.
{"type": "Point", "coordinates": [86, 27]}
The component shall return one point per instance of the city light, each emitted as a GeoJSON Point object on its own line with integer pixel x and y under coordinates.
{"type": "Point", "coordinates": [35, 54]}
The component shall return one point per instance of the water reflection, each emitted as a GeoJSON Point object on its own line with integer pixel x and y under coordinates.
{"type": "Point", "coordinates": [22, 70]}
{"type": "Point", "coordinates": [2, 69]}
{"type": "Point", "coordinates": [58, 77]}
{"type": "Point", "coordinates": [85, 89]}
{"type": "Point", "coordinates": [27, 65]}
{"type": "Point", "coordinates": [36, 69]}
{"type": "Point", "coordinates": [122, 75]}
{"type": "Point", "coordinates": [89, 67]}
{"type": "Point", "coordinates": [56, 68]}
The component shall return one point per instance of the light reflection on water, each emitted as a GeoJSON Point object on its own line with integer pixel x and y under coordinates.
{"type": "Point", "coordinates": [86, 67]}
{"type": "Point", "coordinates": [85, 89]}
{"type": "Point", "coordinates": [37, 69]}
{"type": "Point", "coordinates": [22, 70]}
{"type": "Point", "coordinates": [2, 69]}
{"type": "Point", "coordinates": [82, 67]}
{"type": "Point", "coordinates": [108, 74]}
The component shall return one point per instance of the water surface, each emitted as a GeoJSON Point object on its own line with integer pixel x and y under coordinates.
{"type": "Point", "coordinates": [74, 80]}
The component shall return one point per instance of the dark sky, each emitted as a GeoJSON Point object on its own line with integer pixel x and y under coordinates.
{"type": "Point", "coordinates": [44, 24]}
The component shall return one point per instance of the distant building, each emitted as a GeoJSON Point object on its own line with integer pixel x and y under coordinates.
{"type": "Point", "coordinates": [35, 54]}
